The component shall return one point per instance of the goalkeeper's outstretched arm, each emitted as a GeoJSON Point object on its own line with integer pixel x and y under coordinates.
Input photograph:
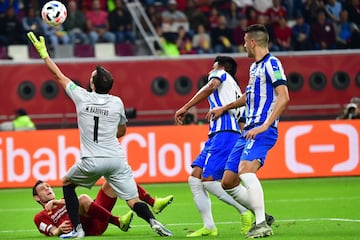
{"type": "Point", "coordinates": [40, 46]}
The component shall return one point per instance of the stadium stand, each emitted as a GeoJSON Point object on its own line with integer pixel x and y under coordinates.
{"type": "Point", "coordinates": [84, 50]}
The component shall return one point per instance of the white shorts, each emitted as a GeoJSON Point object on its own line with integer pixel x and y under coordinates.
{"type": "Point", "coordinates": [87, 171]}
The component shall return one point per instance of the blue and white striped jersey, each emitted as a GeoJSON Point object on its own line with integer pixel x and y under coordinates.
{"type": "Point", "coordinates": [227, 92]}
{"type": "Point", "coordinates": [265, 76]}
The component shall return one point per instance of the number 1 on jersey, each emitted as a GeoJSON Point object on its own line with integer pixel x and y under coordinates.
{"type": "Point", "coordinates": [96, 128]}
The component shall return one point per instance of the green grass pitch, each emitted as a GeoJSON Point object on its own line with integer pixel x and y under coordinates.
{"type": "Point", "coordinates": [316, 208]}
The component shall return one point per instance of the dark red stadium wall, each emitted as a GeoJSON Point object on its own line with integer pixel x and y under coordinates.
{"type": "Point", "coordinates": [134, 79]}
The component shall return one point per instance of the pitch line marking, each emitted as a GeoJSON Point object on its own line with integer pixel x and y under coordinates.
{"type": "Point", "coordinates": [220, 223]}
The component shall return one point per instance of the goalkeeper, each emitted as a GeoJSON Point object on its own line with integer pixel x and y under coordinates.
{"type": "Point", "coordinates": [99, 115]}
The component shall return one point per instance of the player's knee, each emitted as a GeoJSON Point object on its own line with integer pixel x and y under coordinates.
{"type": "Point", "coordinates": [84, 200]}
{"type": "Point", "coordinates": [107, 189]}
{"type": "Point", "coordinates": [132, 202]}
{"type": "Point", "coordinates": [226, 185]}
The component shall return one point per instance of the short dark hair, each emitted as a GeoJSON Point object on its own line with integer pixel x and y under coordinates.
{"type": "Point", "coordinates": [38, 182]}
{"type": "Point", "coordinates": [228, 63]}
{"type": "Point", "coordinates": [20, 112]}
{"type": "Point", "coordinates": [256, 28]}
{"type": "Point", "coordinates": [259, 33]}
{"type": "Point", "coordinates": [102, 80]}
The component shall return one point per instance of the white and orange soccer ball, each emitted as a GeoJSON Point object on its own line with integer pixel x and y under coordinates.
{"type": "Point", "coordinates": [54, 13]}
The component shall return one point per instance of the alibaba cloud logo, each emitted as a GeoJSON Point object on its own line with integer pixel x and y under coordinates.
{"type": "Point", "coordinates": [346, 166]}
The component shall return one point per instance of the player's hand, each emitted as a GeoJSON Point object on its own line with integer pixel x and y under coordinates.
{"type": "Point", "coordinates": [251, 134]}
{"type": "Point", "coordinates": [179, 115]}
{"type": "Point", "coordinates": [213, 114]}
{"type": "Point", "coordinates": [65, 227]}
{"type": "Point", "coordinates": [49, 205]}
{"type": "Point", "coordinates": [38, 44]}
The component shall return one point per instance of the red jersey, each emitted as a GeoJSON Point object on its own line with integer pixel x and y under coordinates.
{"type": "Point", "coordinates": [45, 220]}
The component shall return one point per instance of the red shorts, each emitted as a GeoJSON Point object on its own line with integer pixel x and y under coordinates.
{"type": "Point", "coordinates": [95, 227]}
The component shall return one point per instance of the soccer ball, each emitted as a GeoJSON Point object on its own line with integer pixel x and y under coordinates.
{"type": "Point", "coordinates": [54, 13]}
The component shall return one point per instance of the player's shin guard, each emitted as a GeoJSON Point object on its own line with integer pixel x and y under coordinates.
{"type": "Point", "coordinates": [202, 201]}
{"type": "Point", "coordinates": [72, 206]}
{"type": "Point", "coordinates": [255, 195]}
{"type": "Point", "coordinates": [143, 211]}
{"type": "Point", "coordinates": [240, 194]}
{"type": "Point", "coordinates": [215, 188]}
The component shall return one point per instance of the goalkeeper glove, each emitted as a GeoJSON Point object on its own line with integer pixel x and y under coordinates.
{"type": "Point", "coordinates": [38, 44]}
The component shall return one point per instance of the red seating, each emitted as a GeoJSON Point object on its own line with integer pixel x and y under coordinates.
{"type": "Point", "coordinates": [84, 50]}
{"type": "Point", "coordinates": [33, 53]}
{"type": "Point", "coordinates": [124, 49]}
{"type": "Point", "coordinates": [3, 52]}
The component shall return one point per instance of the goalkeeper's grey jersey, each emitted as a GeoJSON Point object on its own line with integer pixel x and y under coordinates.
{"type": "Point", "coordinates": [98, 117]}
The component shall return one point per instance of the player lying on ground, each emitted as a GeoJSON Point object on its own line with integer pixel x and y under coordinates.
{"type": "Point", "coordinates": [53, 220]}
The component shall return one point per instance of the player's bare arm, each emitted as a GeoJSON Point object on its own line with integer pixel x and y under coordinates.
{"type": "Point", "coordinates": [64, 227]}
{"type": "Point", "coordinates": [217, 112]}
{"type": "Point", "coordinates": [40, 46]}
{"type": "Point", "coordinates": [56, 72]}
{"type": "Point", "coordinates": [201, 95]}
{"type": "Point", "coordinates": [121, 130]}
{"type": "Point", "coordinates": [52, 203]}
{"type": "Point", "coordinates": [281, 102]}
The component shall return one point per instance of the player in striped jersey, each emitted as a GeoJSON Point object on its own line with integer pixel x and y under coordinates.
{"type": "Point", "coordinates": [208, 167]}
{"type": "Point", "coordinates": [101, 118]}
{"type": "Point", "coordinates": [265, 99]}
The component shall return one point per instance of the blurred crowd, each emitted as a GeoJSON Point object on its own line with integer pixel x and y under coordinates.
{"type": "Point", "coordinates": [351, 110]}
{"type": "Point", "coordinates": [192, 26]}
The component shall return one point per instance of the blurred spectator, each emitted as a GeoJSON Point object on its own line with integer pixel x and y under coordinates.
{"type": "Point", "coordinates": [195, 16]}
{"type": "Point", "coordinates": [351, 110]}
{"type": "Point", "coordinates": [168, 44]}
{"type": "Point", "coordinates": [154, 14]}
{"type": "Point", "coordinates": [181, 5]}
{"type": "Point", "coordinates": [301, 34]}
{"type": "Point", "coordinates": [98, 24]}
{"type": "Point", "coordinates": [204, 6]}
{"type": "Point", "coordinates": [323, 33]}
{"type": "Point", "coordinates": [21, 122]}
{"type": "Point", "coordinates": [354, 12]}
{"type": "Point", "coordinates": [347, 33]}
{"type": "Point", "coordinates": [251, 16]}
{"type": "Point", "coordinates": [243, 5]}
{"type": "Point", "coordinates": [55, 35]}
{"type": "Point", "coordinates": [275, 12]}
{"type": "Point", "coordinates": [310, 9]}
{"type": "Point", "coordinates": [221, 37]}
{"type": "Point", "coordinates": [87, 5]}
{"type": "Point", "coordinates": [11, 29]}
{"type": "Point", "coordinates": [293, 8]}
{"type": "Point", "coordinates": [120, 22]}
{"type": "Point", "coordinates": [233, 15]}
{"type": "Point", "coordinates": [6, 4]}
{"type": "Point", "coordinates": [172, 18]}
{"type": "Point", "coordinates": [282, 36]}
{"type": "Point", "coordinates": [239, 33]}
{"type": "Point", "coordinates": [262, 6]}
{"type": "Point", "coordinates": [75, 24]}
{"type": "Point", "coordinates": [333, 9]}
{"type": "Point", "coordinates": [201, 41]}
{"type": "Point", "coordinates": [213, 18]}
{"type": "Point", "coordinates": [184, 41]}
{"type": "Point", "coordinates": [31, 22]}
